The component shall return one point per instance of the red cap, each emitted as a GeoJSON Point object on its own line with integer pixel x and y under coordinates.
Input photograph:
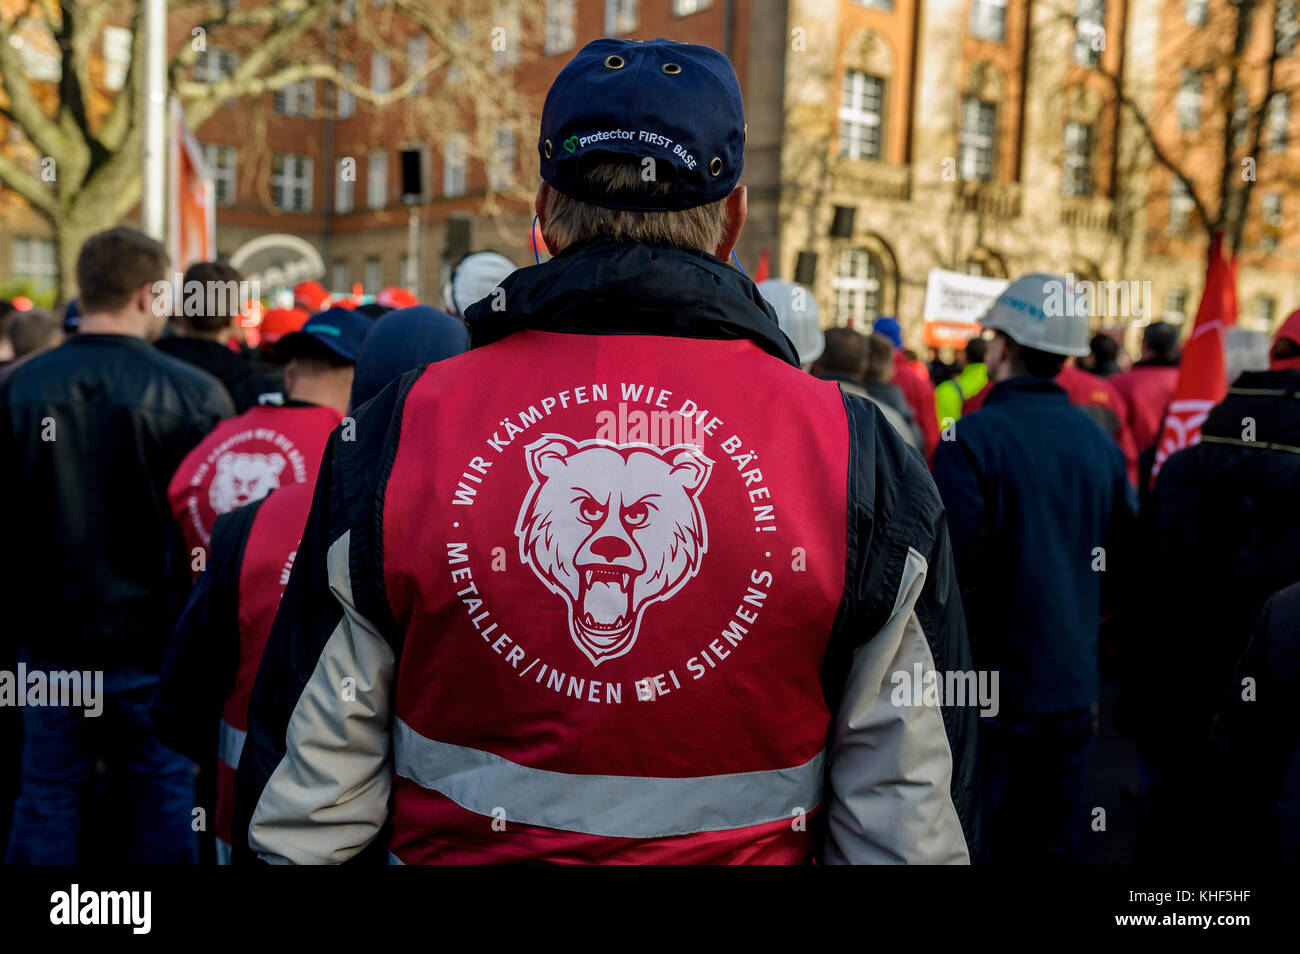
{"type": "Point", "coordinates": [279, 322]}
{"type": "Point", "coordinates": [394, 297]}
{"type": "Point", "coordinates": [1290, 330]}
{"type": "Point", "coordinates": [311, 296]}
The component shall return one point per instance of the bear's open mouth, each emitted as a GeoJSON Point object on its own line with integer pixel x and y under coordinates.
{"type": "Point", "coordinates": [604, 604]}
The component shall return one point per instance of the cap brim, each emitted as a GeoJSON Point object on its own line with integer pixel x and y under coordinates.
{"type": "Point", "coordinates": [303, 344]}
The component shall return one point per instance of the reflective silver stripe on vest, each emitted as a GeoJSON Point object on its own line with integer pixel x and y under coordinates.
{"type": "Point", "coordinates": [230, 744]}
{"type": "Point", "coordinates": [614, 806]}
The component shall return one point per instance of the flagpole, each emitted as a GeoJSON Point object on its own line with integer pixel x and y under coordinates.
{"type": "Point", "coordinates": [153, 182]}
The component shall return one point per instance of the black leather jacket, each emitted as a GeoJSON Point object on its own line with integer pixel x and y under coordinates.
{"type": "Point", "coordinates": [90, 433]}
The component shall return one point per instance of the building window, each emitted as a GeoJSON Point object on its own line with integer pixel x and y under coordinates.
{"type": "Point", "coordinates": [1240, 115]}
{"type": "Point", "coordinates": [1196, 11]}
{"type": "Point", "coordinates": [460, 39]}
{"type": "Point", "coordinates": [501, 169]}
{"type": "Point", "coordinates": [1271, 214]}
{"type": "Point", "coordinates": [117, 55]}
{"type": "Point", "coordinates": [1189, 100]}
{"type": "Point", "coordinates": [344, 187]}
{"type": "Point", "coordinates": [1089, 32]}
{"type": "Point", "coordinates": [1176, 305]}
{"type": "Point", "coordinates": [221, 163]}
{"type": "Point", "coordinates": [339, 277]}
{"type": "Point", "coordinates": [857, 288]}
{"type": "Point", "coordinates": [684, 8]}
{"type": "Point", "coordinates": [505, 48]}
{"type": "Point", "coordinates": [291, 183]}
{"type": "Point", "coordinates": [621, 16]}
{"type": "Point", "coordinates": [976, 142]}
{"type": "Point", "coordinates": [1076, 176]}
{"type": "Point", "coordinates": [1276, 121]}
{"type": "Point", "coordinates": [417, 55]}
{"type": "Point", "coordinates": [380, 78]}
{"type": "Point", "coordinates": [560, 35]}
{"type": "Point", "coordinates": [36, 261]}
{"type": "Point", "coordinates": [861, 106]}
{"type": "Point", "coordinates": [453, 167]}
{"type": "Point", "coordinates": [875, 4]}
{"type": "Point", "coordinates": [377, 180]}
{"type": "Point", "coordinates": [1287, 27]}
{"type": "Point", "coordinates": [214, 64]}
{"type": "Point", "coordinates": [1264, 310]}
{"type": "Point", "coordinates": [405, 274]}
{"type": "Point", "coordinates": [347, 101]}
{"type": "Point", "coordinates": [349, 11]}
{"type": "Point", "coordinates": [374, 275]}
{"type": "Point", "coordinates": [988, 19]}
{"type": "Point", "coordinates": [1180, 207]}
{"type": "Point", "coordinates": [297, 99]}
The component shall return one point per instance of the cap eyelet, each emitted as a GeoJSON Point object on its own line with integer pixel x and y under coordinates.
{"type": "Point", "coordinates": [546, 148]}
{"type": "Point", "coordinates": [715, 166]}
{"type": "Point", "coordinates": [614, 62]}
{"type": "Point", "coordinates": [672, 69]}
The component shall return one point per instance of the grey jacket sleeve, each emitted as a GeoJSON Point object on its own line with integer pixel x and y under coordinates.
{"type": "Point", "coordinates": [901, 763]}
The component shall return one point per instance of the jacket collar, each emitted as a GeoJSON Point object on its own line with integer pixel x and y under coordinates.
{"type": "Point", "coordinates": [1015, 389]}
{"type": "Point", "coordinates": [1269, 398]}
{"type": "Point", "coordinates": [607, 286]}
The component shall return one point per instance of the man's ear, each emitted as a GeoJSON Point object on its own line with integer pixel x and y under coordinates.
{"type": "Point", "coordinates": [737, 208]}
{"type": "Point", "coordinates": [539, 206]}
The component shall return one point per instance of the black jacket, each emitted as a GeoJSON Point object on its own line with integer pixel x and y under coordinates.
{"type": "Point", "coordinates": [897, 554]}
{"type": "Point", "coordinates": [1220, 532]}
{"type": "Point", "coordinates": [90, 433]}
{"type": "Point", "coordinates": [236, 373]}
{"type": "Point", "coordinates": [1033, 487]}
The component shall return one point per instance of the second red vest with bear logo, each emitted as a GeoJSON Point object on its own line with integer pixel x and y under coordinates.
{"type": "Point", "coordinates": [244, 459]}
{"type": "Point", "coordinates": [616, 561]}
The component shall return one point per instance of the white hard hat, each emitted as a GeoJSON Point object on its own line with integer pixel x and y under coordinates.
{"type": "Point", "coordinates": [1041, 312]}
{"type": "Point", "coordinates": [473, 278]}
{"type": "Point", "coordinates": [796, 313]}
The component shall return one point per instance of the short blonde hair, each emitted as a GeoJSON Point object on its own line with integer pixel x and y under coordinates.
{"type": "Point", "coordinates": [570, 220]}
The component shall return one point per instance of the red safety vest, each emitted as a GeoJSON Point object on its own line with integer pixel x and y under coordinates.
{"type": "Point", "coordinates": [244, 459]}
{"type": "Point", "coordinates": [268, 556]}
{"type": "Point", "coordinates": [616, 561]}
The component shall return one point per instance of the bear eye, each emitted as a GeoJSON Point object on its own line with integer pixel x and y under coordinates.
{"type": "Point", "coordinates": [590, 511]}
{"type": "Point", "coordinates": [637, 515]}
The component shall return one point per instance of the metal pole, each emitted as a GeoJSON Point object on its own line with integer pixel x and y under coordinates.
{"type": "Point", "coordinates": [413, 249]}
{"type": "Point", "coordinates": [153, 198]}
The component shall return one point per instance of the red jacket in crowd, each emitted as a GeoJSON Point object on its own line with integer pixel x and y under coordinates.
{"type": "Point", "coordinates": [919, 393]}
{"type": "Point", "coordinates": [1147, 389]}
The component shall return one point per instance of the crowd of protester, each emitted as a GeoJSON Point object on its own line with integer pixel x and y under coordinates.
{"type": "Point", "coordinates": [178, 499]}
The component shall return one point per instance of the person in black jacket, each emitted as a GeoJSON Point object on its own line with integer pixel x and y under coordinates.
{"type": "Point", "coordinates": [1220, 533]}
{"type": "Point", "coordinates": [93, 571]}
{"type": "Point", "coordinates": [1040, 512]}
{"type": "Point", "coordinates": [205, 321]}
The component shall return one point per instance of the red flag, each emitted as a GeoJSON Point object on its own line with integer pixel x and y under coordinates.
{"type": "Point", "coordinates": [761, 272]}
{"type": "Point", "coordinates": [1202, 372]}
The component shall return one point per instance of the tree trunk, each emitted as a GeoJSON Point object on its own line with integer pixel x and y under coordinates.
{"type": "Point", "coordinates": [69, 236]}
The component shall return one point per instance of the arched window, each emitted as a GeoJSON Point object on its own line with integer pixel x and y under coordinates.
{"type": "Point", "coordinates": [857, 288]}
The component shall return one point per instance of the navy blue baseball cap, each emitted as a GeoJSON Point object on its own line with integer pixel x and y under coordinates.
{"type": "Point", "coordinates": [335, 334]}
{"type": "Point", "coordinates": [676, 103]}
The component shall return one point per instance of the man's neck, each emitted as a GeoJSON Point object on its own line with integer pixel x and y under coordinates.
{"type": "Point", "coordinates": [110, 324]}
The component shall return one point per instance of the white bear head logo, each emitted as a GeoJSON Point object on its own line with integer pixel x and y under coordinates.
{"type": "Point", "coordinates": [242, 478]}
{"type": "Point", "coordinates": [612, 528]}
